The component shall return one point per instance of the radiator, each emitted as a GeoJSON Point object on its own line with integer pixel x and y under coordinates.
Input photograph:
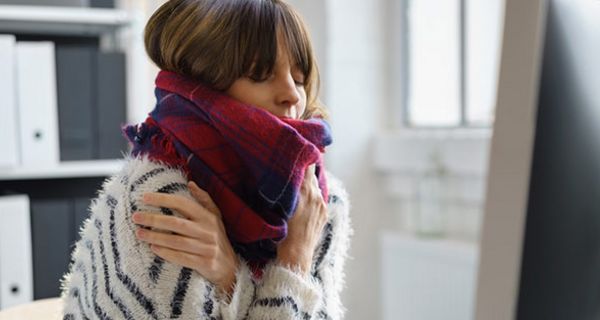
{"type": "Point", "coordinates": [427, 279]}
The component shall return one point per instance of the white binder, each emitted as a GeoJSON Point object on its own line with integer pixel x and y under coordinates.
{"type": "Point", "coordinates": [16, 269]}
{"type": "Point", "coordinates": [9, 157]}
{"type": "Point", "coordinates": [37, 100]}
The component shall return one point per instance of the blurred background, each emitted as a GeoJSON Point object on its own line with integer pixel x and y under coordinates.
{"type": "Point", "coordinates": [411, 88]}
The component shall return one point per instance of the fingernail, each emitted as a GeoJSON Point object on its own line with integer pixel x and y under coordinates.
{"type": "Point", "coordinates": [140, 233]}
{"type": "Point", "coordinates": [137, 217]}
{"type": "Point", "coordinates": [147, 197]}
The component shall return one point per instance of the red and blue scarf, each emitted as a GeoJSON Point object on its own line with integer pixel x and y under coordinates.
{"type": "Point", "coordinates": [251, 162]}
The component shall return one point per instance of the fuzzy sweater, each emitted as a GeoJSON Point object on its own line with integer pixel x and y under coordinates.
{"type": "Point", "coordinates": [113, 275]}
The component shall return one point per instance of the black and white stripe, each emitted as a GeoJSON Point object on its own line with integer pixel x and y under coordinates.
{"type": "Point", "coordinates": [157, 264]}
{"type": "Point", "coordinates": [133, 288]}
{"type": "Point", "coordinates": [155, 269]}
{"type": "Point", "coordinates": [140, 181]}
{"type": "Point", "coordinates": [81, 269]}
{"type": "Point", "coordinates": [324, 248]}
{"type": "Point", "coordinates": [180, 292]}
{"type": "Point", "coordinates": [170, 189]}
{"type": "Point", "coordinates": [276, 302]}
{"type": "Point", "coordinates": [97, 309]}
{"type": "Point", "coordinates": [107, 287]}
{"type": "Point", "coordinates": [75, 294]}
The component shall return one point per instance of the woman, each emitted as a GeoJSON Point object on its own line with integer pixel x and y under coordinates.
{"type": "Point", "coordinates": [224, 209]}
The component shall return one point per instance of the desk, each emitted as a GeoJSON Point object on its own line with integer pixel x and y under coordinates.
{"type": "Point", "coordinates": [46, 309]}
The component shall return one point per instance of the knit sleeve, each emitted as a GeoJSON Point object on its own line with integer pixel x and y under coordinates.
{"type": "Point", "coordinates": [283, 293]}
{"type": "Point", "coordinates": [116, 276]}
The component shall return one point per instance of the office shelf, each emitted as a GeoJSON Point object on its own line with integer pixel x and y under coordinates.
{"type": "Point", "coordinates": [64, 170]}
{"type": "Point", "coordinates": [61, 20]}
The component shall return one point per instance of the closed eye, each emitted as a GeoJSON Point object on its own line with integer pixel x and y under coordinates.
{"type": "Point", "coordinates": [299, 77]}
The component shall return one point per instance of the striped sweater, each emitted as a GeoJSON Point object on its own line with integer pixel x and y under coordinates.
{"type": "Point", "coordinates": [113, 275]}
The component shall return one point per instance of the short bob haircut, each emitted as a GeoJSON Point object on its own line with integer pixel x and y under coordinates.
{"type": "Point", "coordinates": [219, 41]}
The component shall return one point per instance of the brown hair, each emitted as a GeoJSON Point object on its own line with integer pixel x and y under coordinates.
{"type": "Point", "coordinates": [219, 41]}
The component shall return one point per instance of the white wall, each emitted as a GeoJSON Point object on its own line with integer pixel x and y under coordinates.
{"type": "Point", "coordinates": [378, 164]}
{"type": "Point", "coordinates": [138, 61]}
{"type": "Point", "coordinates": [356, 96]}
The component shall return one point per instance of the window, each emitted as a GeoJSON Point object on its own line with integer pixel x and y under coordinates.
{"type": "Point", "coordinates": [450, 52]}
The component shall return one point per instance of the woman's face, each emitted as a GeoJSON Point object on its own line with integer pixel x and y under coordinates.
{"type": "Point", "coordinates": [282, 94]}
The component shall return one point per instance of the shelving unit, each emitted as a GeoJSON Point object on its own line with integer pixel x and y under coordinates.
{"type": "Point", "coordinates": [63, 20]}
{"type": "Point", "coordinates": [65, 170]}
{"type": "Point", "coordinates": [60, 195]}
{"type": "Point", "coordinates": [116, 28]}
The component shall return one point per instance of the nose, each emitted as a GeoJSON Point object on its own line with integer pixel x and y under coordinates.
{"type": "Point", "coordinates": [287, 94]}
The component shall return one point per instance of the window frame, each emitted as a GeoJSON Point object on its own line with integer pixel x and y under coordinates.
{"type": "Point", "coordinates": [400, 78]}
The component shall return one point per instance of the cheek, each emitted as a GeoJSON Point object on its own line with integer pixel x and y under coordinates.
{"type": "Point", "coordinates": [242, 91]}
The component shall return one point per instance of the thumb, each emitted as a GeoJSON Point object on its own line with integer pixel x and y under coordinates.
{"type": "Point", "coordinates": [204, 198]}
{"type": "Point", "coordinates": [311, 175]}
{"type": "Point", "coordinates": [310, 172]}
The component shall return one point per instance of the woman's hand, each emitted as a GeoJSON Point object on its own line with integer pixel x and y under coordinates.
{"type": "Point", "coordinates": [305, 227]}
{"type": "Point", "coordinates": [199, 242]}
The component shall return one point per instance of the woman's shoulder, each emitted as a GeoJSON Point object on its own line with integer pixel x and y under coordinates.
{"type": "Point", "coordinates": [141, 169]}
{"type": "Point", "coordinates": [139, 175]}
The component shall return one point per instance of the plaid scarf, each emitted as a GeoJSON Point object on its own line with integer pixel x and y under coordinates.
{"type": "Point", "coordinates": [251, 162]}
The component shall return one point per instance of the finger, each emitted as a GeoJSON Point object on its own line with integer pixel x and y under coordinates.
{"type": "Point", "coordinates": [174, 242]}
{"type": "Point", "coordinates": [171, 223]}
{"type": "Point", "coordinates": [310, 180]}
{"type": "Point", "coordinates": [185, 206]}
{"type": "Point", "coordinates": [310, 170]}
{"type": "Point", "coordinates": [315, 179]}
{"type": "Point", "coordinates": [308, 174]}
{"type": "Point", "coordinates": [204, 198]}
{"type": "Point", "coordinates": [181, 258]}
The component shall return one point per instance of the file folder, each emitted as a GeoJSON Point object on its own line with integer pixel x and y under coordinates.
{"type": "Point", "coordinates": [38, 113]}
{"type": "Point", "coordinates": [9, 157]}
{"type": "Point", "coordinates": [51, 225]}
{"type": "Point", "coordinates": [112, 105]}
{"type": "Point", "coordinates": [76, 105]}
{"type": "Point", "coordinates": [16, 270]}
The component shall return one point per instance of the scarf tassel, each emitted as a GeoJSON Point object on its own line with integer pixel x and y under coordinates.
{"type": "Point", "coordinates": [138, 134]}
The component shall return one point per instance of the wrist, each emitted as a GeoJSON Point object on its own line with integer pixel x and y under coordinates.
{"type": "Point", "coordinates": [227, 283]}
{"type": "Point", "coordinates": [294, 258]}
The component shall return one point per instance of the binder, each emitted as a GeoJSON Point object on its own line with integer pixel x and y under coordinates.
{"type": "Point", "coordinates": [51, 225]}
{"type": "Point", "coordinates": [76, 105]}
{"type": "Point", "coordinates": [112, 100]}
{"type": "Point", "coordinates": [38, 114]}
{"type": "Point", "coordinates": [16, 275]}
{"type": "Point", "coordinates": [9, 157]}
{"type": "Point", "coordinates": [102, 3]}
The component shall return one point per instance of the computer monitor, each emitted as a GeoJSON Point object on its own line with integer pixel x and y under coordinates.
{"type": "Point", "coordinates": [540, 245]}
